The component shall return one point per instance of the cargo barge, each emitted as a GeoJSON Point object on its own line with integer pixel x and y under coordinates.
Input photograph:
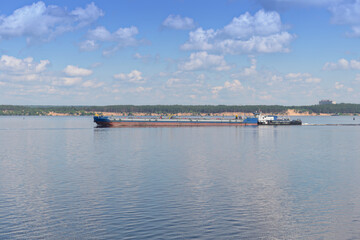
{"type": "Point", "coordinates": [104, 121]}
{"type": "Point", "coordinates": [173, 121]}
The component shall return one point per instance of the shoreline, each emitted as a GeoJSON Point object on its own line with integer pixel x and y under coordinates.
{"type": "Point", "coordinates": [289, 112]}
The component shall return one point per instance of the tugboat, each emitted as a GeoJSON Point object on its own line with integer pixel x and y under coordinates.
{"type": "Point", "coordinates": [275, 120]}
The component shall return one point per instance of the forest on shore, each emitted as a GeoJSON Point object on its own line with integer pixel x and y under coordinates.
{"type": "Point", "coordinates": [334, 109]}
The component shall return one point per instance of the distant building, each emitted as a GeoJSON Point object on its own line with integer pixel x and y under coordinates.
{"type": "Point", "coordinates": [325, 102]}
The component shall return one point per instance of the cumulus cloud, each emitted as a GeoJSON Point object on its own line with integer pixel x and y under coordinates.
{"type": "Point", "coordinates": [92, 84]}
{"type": "Point", "coordinates": [69, 81]}
{"type": "Point", "coordinates": [123, 37]}
{"type": "Point", "coordinates": [342, 64]}
{"type": "Point", "coordinates": [199, 40]}
{"type": "Point", "coordinates": [234, 86]}
{"type": "Point", "coordinates": [302, 77]}
{"type": "Point", "coordinates": [347, 12]}
{"type": "Point", "coordinates": [15, 69]}
{"type": "Point", "coordinates": [142, 89]}
{"type": "Point", "coordinates": [172, 82]}
{"type": "Point", "coordinates": [247, 71]}
{"type": "Point", "coordinates": [203, 60]}
{"type": "Point", "coordinates": [75, 71]}
{"type": "Point", "coordinates": [261, 24]}
{"type": "Point", "coordinates": [261, 33]}
{"type": "Point", "coordinates": [338, 85]}
{"type": "Point", "coordinates": [146, 58]}
{"type": "Point", "coordinates": [38, 21]}
{"type": "Point", "coordinates": [88, 45]}
{"type": "Point", "coordinates": [275, 80]}
{"type": "Point", "coordinates": [297, 75]}
{"type": "Point", "coordinates": [312, 80]}
{"type": "Point", "coordinates": [178, 22]}
{"type": "Point", "coordinates": [250, 70]}
{"type": "Point", "coordinates": [134, 76]}
{"type": "Point", "coordinates": [281, 4]}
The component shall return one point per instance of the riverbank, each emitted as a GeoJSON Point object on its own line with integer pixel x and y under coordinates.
{"type": "Point", "coordinates": [289, 112]}
{"type": "Point", "coordinates": [181, 110]}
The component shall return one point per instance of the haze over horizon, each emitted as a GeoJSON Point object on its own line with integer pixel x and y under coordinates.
{"type": "Point", "coordinates": [179, 52]}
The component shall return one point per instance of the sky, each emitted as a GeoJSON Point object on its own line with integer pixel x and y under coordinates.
{"type": "Point", "coordinates": [141, 52]}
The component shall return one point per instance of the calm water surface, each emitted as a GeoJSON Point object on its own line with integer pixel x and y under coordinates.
{"type": "Point", "coordinates": [62, 178]}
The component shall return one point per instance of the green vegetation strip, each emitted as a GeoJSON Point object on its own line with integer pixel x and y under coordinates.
{"type": "Point", "coordinates": [343, 108]}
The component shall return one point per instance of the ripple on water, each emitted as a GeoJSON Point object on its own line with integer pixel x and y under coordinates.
{"type": "Point", "coordinates": [61, 178]}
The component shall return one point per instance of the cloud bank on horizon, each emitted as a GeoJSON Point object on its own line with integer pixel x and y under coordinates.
{"type": "Point", "coordinates": [239, 52]}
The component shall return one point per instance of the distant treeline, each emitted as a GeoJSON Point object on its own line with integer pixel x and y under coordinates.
{"type": "Point", "coordinates": [342, 108]}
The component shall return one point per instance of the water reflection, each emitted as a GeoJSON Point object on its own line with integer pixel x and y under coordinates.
{"type": "Point", "coordinates": [77, 181]}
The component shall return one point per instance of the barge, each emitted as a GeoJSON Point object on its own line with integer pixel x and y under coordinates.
{"type": "Point", "coordinates": [105, 121]}
{"type": "Point", "coordinates": [173, 121]}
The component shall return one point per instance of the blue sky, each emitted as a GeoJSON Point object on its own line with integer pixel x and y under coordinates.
{"type": "Point", "coordinates": [287, 52]}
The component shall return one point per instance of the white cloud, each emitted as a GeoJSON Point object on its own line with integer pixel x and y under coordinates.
{"type": "Point", "coordinates": [280, 4]}
{"type": "Point", "coordinates": [297, 75]}
{"type": "Point", "coordinates": [92, 84]}
{"type": "Point", "coordinates": [199, 40]}
{"type": "Point", "coordinates": [275, 79]}
{"type": "Point", "coordinates": [42, 65]}
{"type": "Point", "coordinates": [88, 45]}
{"type": "Point", "coordinates": [203, 60]}
{"type": "Point", "coordinates": [173, 81]}
{"type": "Point", "coordinates": [201, 77]}
{"type": "Point", "coordinates": [75, 71]}
{"type": "Point", "coordinates": [261, 33]}
{"type": "Point", "coordinates": [355, 64]}
{"type": "Point", "coordinates": [234, 86]}
{"type": "Point", "coordinates": [123, 37]}
{"type": "Point", "coordinates": [147, 58]}
{"type": "Point", "coordinates": [247, 71]}
{"type": "Point", "coordinates": [348, 13]}
{"type": "Point", "coordinates": [266, 97]}
{"type": "Point", "coordinates": [250, 70]}
{"type": "Point", "coordinates": [256, 44]}
{"type": "Point", "coordinates": [338, 85]}
{"type": "Point", "coordinates": [100, 34]}
{"type": "Point", "coordinates": [217, 89]}
{"type": "Point", "coordinates": [312, 80]}
{"type": "Point", "coordinates": [342, 64]}
{"type": "Point", "coordinates": [178, 22]}
{"type": "Point", "coordinates": [261, 24]}
{"type": "Point", "coordinates": [302, 77]}
{"type": "Point", "coordinates": [38, 21]}
{"type": "Point", "coordinates": [15, 69]}
{"type": "Point", "coordinates": [26, 65]}
{"type": "Point", "coordinates": [65, 81]}
{"type": "Point", "coordinates": [69, 81]}
{"type": "Point", "coordinates": [134, 76]}
{"type": "Point", "coordinates": [142, 89]}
